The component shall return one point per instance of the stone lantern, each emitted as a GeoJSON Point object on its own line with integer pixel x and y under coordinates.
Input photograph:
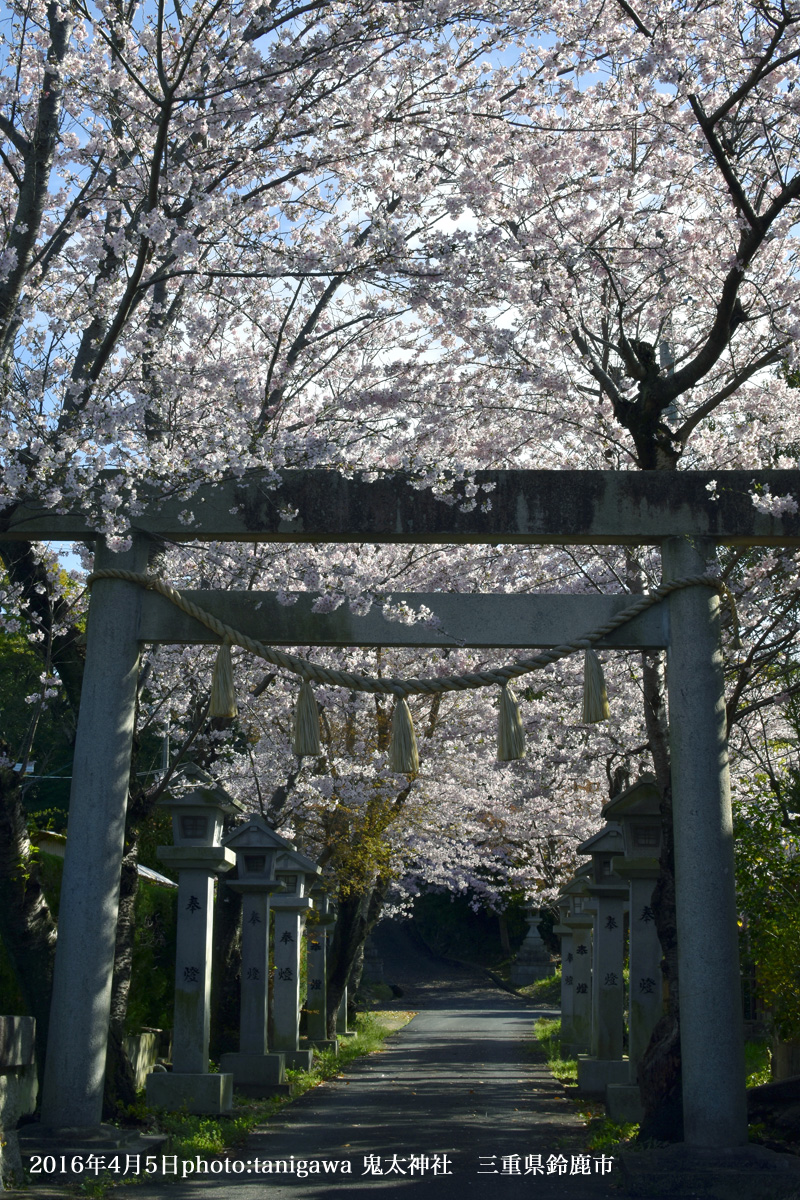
{"type": "Point", "coordinates": [254, 1069]}
{"type": "Point", "coordinates": [564, 933]}
{"type": "Point", "coordinates": [199, 806]}
{"type": "Point", "coordinates": [317, 969]}
{"type": "Point", "coordinates": [298, 874]}
{"type": "Point", "coordinates": [637, 810]}
{"type": "Point", "coordinates": [533, 958]}
{"type": "Point", "coordinates": [576, 969]}
{"type": "Point", "coordinates": [608, 900]}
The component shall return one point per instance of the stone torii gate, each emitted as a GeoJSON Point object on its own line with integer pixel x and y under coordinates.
{"type": "Point", "coordinates": [672, 509]}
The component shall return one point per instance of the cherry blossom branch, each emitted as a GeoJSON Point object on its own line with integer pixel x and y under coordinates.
{"type": "Point", "coordinates": [769, 358]}
{"type": "Point", "coordinates": [720, 157]}
{"type": "Point", "coordinates": [38, 158]}
{"type": "Point", "coordinates": [634, 16]}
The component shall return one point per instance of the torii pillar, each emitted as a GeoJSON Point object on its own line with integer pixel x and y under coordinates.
{"type": "Point", "coordinates": [72, 1092]}
{"type": "Point", "coordinates": [712, 1041]}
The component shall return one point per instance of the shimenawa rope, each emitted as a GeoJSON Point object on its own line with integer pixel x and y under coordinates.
{"type": "Point", "coordinates": [404, 750]}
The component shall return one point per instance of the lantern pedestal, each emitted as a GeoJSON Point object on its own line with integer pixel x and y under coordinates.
{"type": "Point", "coordinates": [609, 899]}
{"type": "Point", "coordinates": [646, 1000]}
{"type": "Point", "coordinates": [576, 967]}
{"type": "Point", "coordinates": [198, 1093]}
{"type": "Point", "coordinates": [595, 1074]}
{"type": "Point", "coordinates": [256, 1072]}
{"type": "Point", "coordinates": [581, 928]}
{"type": "Point", "coordinates": [257, 1075]}
{"type": "Point", "coordinates": [567, 989]}
{"type": "Point", "coordinates": [289, 919]}
{"type": "Point", "coordinates": [317, 974]}
{"type": "Point", "coordinates": [189, 1083]}
{"type": "Point", "coordinates": [638, 810]}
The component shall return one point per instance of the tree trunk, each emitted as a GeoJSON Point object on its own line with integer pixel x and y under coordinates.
{"type": "Point", "coordinates": [26, 923]}
{"type": "Point", "coordinates": [226, 968]}
{"type": "Point", "coordinates": [659, 1072]}
{"type": "Point", "coordinates": [358, 914]}
{"type": "Point", "coordinates": [120, 1084]}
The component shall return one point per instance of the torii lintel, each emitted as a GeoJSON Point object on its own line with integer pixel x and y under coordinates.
{"type": "Point", "coordinates": [510, 507]}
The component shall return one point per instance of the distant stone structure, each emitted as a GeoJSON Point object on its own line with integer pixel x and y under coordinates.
{"type": "Point", "coordinates": [533, 958]}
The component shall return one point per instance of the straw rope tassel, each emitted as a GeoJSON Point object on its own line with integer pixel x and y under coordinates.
{"type": "Point", "coordinates": [223, 692]}
{"type": "Point", "coordinates": [305, 734]}
{"type": "Point", "coordinates": [510, 730]}
{"type": "Point", "coordinates": [403, 754]}
{"type": "Point", "coordinates": [595, 700]}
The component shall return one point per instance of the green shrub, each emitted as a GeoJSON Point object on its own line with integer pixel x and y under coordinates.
{"type": "Point", "coordinates": [548, 1033]}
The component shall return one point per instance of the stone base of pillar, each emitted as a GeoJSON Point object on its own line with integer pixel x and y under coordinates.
{"type": "Point", "coordinates": [683, 1170]}
{"type": "Point", "coordinates": [212, 1094]}
{"type": "Point", "coordinates": [624, 1102]}
{"type": "Point", "coordinates": [595, 1074]}
{"type": "Point", "coordinates": [523, 972]}
{"type": "Point", "coordinates": [298, 1060]}
{"type": "Point", "coordinates": [40, 1141]}
{"type": "Point", "coordinates": [257, 1074]}
{"type": "Point", "coordinates": [320, 1044]}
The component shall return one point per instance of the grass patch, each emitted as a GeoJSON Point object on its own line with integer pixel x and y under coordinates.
{"type": "Point", "coordinates": [605, 1134]}
{"type": "Point", "coordinates": [757, 1061]}
{"type": "Point", "coordinates": [191, 1135]}
{"type": "Point", "coordinates": [602, 1134]}
{"type": "Point", "coordinates": [544, 991]}
{"type": "Point", "coordinates": [548, 1033]}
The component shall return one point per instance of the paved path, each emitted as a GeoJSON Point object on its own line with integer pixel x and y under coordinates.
{"type": "Point", "coordinates": [458, 1088]}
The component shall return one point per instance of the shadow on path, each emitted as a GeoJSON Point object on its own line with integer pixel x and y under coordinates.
{"type": "Point", "coordinates": [457, 1089]}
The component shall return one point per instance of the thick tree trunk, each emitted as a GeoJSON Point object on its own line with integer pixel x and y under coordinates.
{"type": "Point", "coordinates": [358, 914]}
{"type": "Point", "coordinates": [226, 968]}
{"type": "Point", "coordinates": [659, 1071]}
{"type": "Point", "coordinates": [120, 1084]}
{"type": "Point", "coordinates": [26, 923]}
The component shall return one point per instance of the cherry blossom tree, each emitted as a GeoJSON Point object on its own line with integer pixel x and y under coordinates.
{"type": "Point", "coordinates": [618, 281]}
{"type": "Point", "coordinates": [201, 206]}
{"type": "Point", "coordinates": [430, 237]}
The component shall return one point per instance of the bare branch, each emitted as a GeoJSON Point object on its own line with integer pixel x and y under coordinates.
{"type": "Point", "coordinates": [634, 16]}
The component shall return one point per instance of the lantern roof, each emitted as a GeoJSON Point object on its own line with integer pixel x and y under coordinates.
{"type": "Point", "coordinates": [192, 786]}
{"type": "Point", "coordinates": [293, 860]}
{"type": "Point", "coordinates": [256, 833]}
{"type": "Point", "coordinates": [578, 883]}
{"type": "Point", "coordinates": [641, 799]}
{"type": "Point", "coordinates": [607, 841]}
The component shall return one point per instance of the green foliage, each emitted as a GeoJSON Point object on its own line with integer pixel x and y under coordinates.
{"type": "Point", "coordinates": [757, 1061]}
{"type": "Point", "coordinates": [544, 991]}
{"type": "Point", "coordinates": [768, 887]}
{"type": "Point", "coordinates": [605, 1134]}
{"type": "Point", "coordinates": [154, 832]}
{"type": "Point", "coordinates": [191, 1135]}
{"type": "Point", "coordinates": [52, 820]}
{"type": "Point", "coordinates": [450, 926]}
{"type": "Point", "coordinates": [50, 870]}
{"type": "Point", "coordinates": [21, 669]}
{"type": "Point", "coordinates": [152, 980]}
{"type": "Point", "coordinates": [548, 1033]}
{"type": "Point", "coordinates": [153, 970]}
